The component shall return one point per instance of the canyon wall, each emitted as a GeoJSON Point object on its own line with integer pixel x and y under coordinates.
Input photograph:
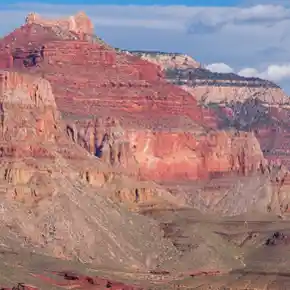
{"type": "Point", "coordinates": [84, 132]}
{"type": "Point", "coordinates": [158, 131]}
{"type": "Point", "coordinates": [248, 104]}
{"type": "Point", "coordinates": [56, 197]}
{"type": "Point", "coordinates": [165, 156]}
{"type": "Point", "coordinates": [125, 113]}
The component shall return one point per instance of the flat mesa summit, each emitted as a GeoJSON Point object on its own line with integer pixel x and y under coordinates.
{"type": "Point", "coordinates": [116, 173]}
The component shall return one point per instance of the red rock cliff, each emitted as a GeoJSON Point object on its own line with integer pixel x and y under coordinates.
{"type": "Point", "coordinates": [160, 122]}
{"type": "Point", "coordinates": [54, 193]}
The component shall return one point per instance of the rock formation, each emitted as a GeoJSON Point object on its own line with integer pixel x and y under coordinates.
{"type": "Point", "coordinates": [45, 202]}
{"type": "Point", "coordinates": [92, 82]}
{"type": "Point", "coordinates": [73, 164]}
{"type": "Point", "coordinates": [210, 87]}
{"type": "Point", "coordinates": [79, 23]}
{"type": "Point", "coordinates": [190, 157]}
{"type": "Point", "coordinates": [236, 92]}
{"type": "Point", "coordinates": [186, 156]}
{"type": "Point", "coordinates": [122, 110]}
{"type": "Point", "coordinates": [167, 60]}
{"type": "Point", "coordinates": [248, 104]}
{"type": "Point", "coordinates": [58, 200]}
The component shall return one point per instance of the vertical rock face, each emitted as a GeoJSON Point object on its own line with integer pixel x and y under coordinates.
{"type": "Point", "coordinates": [31, 127]}
{"type": "Point", "coordinates": [23, 91]}
{"type": "Point", "coordinates": [107, 140]}
{"type": "Point", "coordinates": [237, 93]}
{"type": "Point", "coordinates": [167, 156]}
{"type": "Point", "coordinates": [79, 23]}
{"type": "Point", "coordinates": [45, 200]}
{"type": "Point", "coordinates": [186, 156]}
{"type": "Point", "coordinates": [154, 127]}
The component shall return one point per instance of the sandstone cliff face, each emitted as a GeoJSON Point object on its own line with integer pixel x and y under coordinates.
{"type": "Point", "coordinates": [187, 156]}
{"type": "Point", "coordinates": [210, 87]}
{"type": "Point", "coordinates": [92, 82]}
{"type": "Point", "coordinates": [54, 196]}
{"type": "Point", "coordinates": [251, 105]}
{"type": "Point", "coordinates": [122, 110]}
{"type": "Point", "coordinates": [79, 23]}
{"type": "Point", "coordinates": [165, 156]}
{"type": "Point", "coordinates": [62, 180]}
{"type": "Point", "coordinates": [19, 91]}
{"type": "Point", "coordinates": [223, 94]}
{"type": "Point", "coordinates": [48, 206]}
{"type": "Point", "coordinates": [248, 104]}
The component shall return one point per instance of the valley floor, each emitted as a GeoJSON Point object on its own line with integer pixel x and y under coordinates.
{"type": "Point", "coordinates": [261, 245]}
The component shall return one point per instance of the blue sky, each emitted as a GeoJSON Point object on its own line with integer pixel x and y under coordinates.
{"type": "Point", "coordinates": [140, 2]}
{"type": "Point", "coordinates": [248, 37]}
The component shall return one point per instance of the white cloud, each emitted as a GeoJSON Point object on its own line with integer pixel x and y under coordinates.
{"type": "Point", "coordinates": [219, 68]}
{"type": "Point", "coordinates": [248, 72]}
{"type": "Point", "coordinates": [278, 72]}
{"type": "Point", "coordinates": [275, 73]}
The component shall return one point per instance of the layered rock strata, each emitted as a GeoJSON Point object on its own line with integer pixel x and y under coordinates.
{"type": "Point", "coordinates": [122, 110]}
{"type": "Point", "coordinates": [211, 87]}
{"type": "Point", "coordinates": [248, 104]}
{"type": "Point", "coordinates": [47, 204]}
{"type": "Point", "coordinates": [92, 82]}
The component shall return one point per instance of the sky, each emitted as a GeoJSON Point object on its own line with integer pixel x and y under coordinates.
{"type": "Point", "coordinates": [248, 37]}
{"type": "Point", "coordinates": [140, 2]}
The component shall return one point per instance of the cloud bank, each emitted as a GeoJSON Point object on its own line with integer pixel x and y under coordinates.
{"type": "Point", "coordinates": [219, 68]}
{"type": "Point", "coordinates": [275, 73]}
